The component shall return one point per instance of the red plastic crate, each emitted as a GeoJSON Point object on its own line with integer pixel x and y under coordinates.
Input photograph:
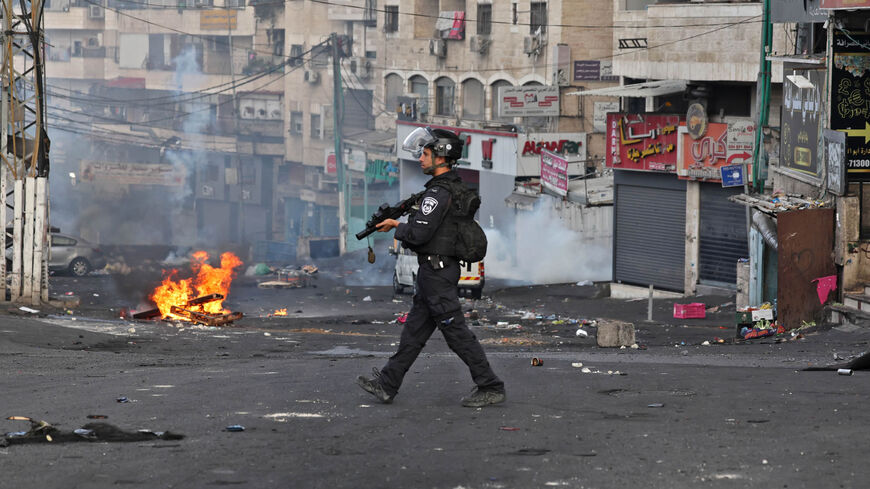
{"type": "Point", "coordinates": [695, 310]}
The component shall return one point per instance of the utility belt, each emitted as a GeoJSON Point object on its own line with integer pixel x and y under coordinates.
{"type": "Point", "coordinates": [436, 261]}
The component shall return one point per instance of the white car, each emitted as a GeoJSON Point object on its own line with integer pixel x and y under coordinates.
{"type": "Point", "coordinates": [471, 276]}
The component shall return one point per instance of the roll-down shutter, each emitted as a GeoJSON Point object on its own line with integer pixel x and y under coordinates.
{"type": "Point", "coordinates": [722, 235]}
{"type": "Point", "coordinates": [649, 230]}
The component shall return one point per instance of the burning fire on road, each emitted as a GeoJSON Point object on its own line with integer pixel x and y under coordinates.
{"type": "Point", "coordinates": [199, 298]}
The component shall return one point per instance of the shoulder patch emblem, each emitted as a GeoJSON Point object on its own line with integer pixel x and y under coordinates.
{"type": "Point", "coordinates": [428, 205]}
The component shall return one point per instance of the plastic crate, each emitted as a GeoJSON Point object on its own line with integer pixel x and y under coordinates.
{"type": "Point", "coordinates": [695, 310]}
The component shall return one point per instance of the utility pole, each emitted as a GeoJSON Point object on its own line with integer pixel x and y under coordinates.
{"type": "Point", "coordinates": [24, 150]}
{"type": "Point", "coordinates": [337, 109]}
{"type": "Point", "coordinates": [240, 220]}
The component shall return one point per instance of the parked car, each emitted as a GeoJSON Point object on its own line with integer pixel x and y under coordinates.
{"type": "Point", "coordinates": [471, 275]}
{"type": "Point", "coordinates": [74, 255]}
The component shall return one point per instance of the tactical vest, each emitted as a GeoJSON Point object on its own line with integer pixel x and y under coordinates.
{"type": "Point", "coordinates": [444, 239]}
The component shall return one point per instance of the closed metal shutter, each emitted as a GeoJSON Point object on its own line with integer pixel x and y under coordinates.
{"type": "Point", "coordinates": [722, 235]}
{"type": "Point", "coordinates": [358, 109]}
{"type": "Point", "coordinates": [649, 230]}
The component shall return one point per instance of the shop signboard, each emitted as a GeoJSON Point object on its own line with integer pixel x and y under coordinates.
{"type": "Point", "coordinates": [801, 118]}
{"type": "Point", "coordinates": [645, 142]}
{"type": "Point", "coordinates": [571, 145]}
{"type": "Point", "coordinates": [850, 100]}
{"type": "Point", "coordinates": [132, 173]}
{"type": "Point", "coordinates": [538, 100]}
{"type": "Point", "coordinates": [835, 153]}
{"type": "Point", "coordinates": [721, 145]}
{"type": "Point", "coordinates": [845, 4]}
{"type": "Point", "coordinates": [554, 172]}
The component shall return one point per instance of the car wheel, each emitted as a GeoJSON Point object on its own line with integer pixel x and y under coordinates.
{"type": "Point", "coordinates": [79, 267]}
{"type": "Point", "coordinates": [397, 287]}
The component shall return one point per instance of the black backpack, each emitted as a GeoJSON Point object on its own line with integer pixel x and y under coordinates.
{"type": "Point", "coordinates": [470, 245]}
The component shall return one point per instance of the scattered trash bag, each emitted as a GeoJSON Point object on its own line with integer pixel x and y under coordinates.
{"type": "Point", "coordinates": [262, 269]}
{"type": "Point", "coordinates": [861, 362]}
{"type": "Point", "coordinates": [43, 432]}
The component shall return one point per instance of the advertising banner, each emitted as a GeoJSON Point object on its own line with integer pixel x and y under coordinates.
{"type": "Point", "coordinates": [554, 172]}
{"type": "Point", "coordinates": [801, 121]}
{"type": "Point", "coordinates": [132, 173]}
{"type": "Point", "coordinates": [721, 145]}
{"type": "Point", "coordinates": [642, 142]}
{"type": "Point", "coordinates": [536, 101]}
{"type": "Point", "coordinates": [850, 100]}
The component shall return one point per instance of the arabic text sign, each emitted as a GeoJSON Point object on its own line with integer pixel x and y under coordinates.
{"type": "Point", "coordinates": [215, 20]}
{"type": "Point", "coordinates": [702, 158]}
{"type": "Point", "coordinates": [132, 173]}
{"type": "Point", "coordinates": [554, 172]}
{"type": "Point", "coordinates": [642, 142]}
{"type": "Point", "coordinates": [732, 175]}
{"type": "Point", "coordinates": [529, 101]}
{"type": "Point", "coordinates": [850, 100]}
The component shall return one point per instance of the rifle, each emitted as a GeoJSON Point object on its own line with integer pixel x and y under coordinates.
{"type": "Point", "coordinates": [385, 212]}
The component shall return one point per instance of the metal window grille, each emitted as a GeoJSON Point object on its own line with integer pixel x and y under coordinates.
{"type": "Point", "coordinates": [484, 19]}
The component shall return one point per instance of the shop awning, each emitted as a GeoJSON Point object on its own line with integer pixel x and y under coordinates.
{"type": "Point", "coordinates": [521, 201]}
{"type": "Point", "coordinates": [645, 89]}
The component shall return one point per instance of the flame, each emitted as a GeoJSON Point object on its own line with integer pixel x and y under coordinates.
{"type": "Point", "coordinates": [280, 312]}
{"type": "Point", "coordinates": [206, 280]}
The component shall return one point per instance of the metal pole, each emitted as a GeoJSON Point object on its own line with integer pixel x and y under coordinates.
{"type": "Point", "coordinates": [336, 131]}
{"type": "Point", "coordinates": [649, 304]}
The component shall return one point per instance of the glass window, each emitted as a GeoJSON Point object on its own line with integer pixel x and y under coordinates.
{"type": "Point", "coordinates": [391, 18]}
{"type": "Point", "coordinates": [538, 17]}
{"type": "Point", "coordinates": [296, 123]}
{"type": "Point", "coordinates": [315, 126]}
{"type": "Point", "coordinates": [444, 88]}
{"type": "Point", "coordinates": [296, 55]}
{"type": "Point", "coordinates": [496, 106]}
{"type": "Point", "coordinates": [472, 99]}
{"type": "Point", "coordinates": [484, 19]}
{"type": "Point", "coordinates": [420, 86]}
{"type": "Point", "coordinates": [392, 90]}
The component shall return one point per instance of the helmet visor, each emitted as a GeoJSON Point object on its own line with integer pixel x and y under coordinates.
{"type": "Point", "coordinates": [417, 140]}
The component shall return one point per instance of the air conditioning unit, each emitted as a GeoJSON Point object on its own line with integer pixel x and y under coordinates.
{"type": "Point", "coordinates": [479, 44]}
{"type": "Point", "coordinates": [438, 47]}
{"type": "Point", "coordinates": [202, 3]}
{"type": "Point", "coordinates": [312, 76]}
{"type": "Point", "coordinates": [96, 12]}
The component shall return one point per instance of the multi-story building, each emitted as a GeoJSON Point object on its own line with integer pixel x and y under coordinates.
{"type": "Point", "coordinates": [690, 73]}
{"type": "Point", "coordinates": [498, 73]}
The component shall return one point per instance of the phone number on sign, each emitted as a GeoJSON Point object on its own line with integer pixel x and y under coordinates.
{"type": "Point", "coordinates": [859, 164]}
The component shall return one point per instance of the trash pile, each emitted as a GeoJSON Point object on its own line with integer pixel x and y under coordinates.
{"type": "Point", "coordinates": [290, 277]}
{"type": "Point", "coordinates": [758, 322]}
{"type": "Point", "coordinates": [44, 432]}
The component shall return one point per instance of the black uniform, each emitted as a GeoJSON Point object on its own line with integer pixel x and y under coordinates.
{"type": "Point", "coordinates": [436, 302]}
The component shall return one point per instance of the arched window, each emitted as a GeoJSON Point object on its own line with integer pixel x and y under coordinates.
{"type": "Point", "coordinates": [473, 102]}
{"type": "Point", "coordinates": [444, 90]}
{"type": "Point", "coordinates": [538, 122]}
{"type": "Point", "coordinates": [496, 106]}
{"type": "Point", "coordinates": [420, 86]}
{"type": "Point", "coordinates": [392, 90]}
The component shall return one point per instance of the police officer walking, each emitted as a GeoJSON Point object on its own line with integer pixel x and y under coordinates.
{"type": "Point", "coordinates": [429, 233]}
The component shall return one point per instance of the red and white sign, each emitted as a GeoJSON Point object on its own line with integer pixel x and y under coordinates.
{"type": "Point", "coordinates": [554, 172]}
{"type": "Point", "coordinates": [642, 142]}
{"type": "Point", "coordinates": [330, 167]}
{"type": "Point", "coordinates": [842, 4]}
{"type": "Point", "coordinates": [722, 145]}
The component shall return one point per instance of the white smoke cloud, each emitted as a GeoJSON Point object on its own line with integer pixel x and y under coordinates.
{"type": "Point", "coordinates": [542, 249]}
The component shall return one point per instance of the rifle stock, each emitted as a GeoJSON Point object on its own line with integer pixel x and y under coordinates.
{"type": "Point", "coordinates": [385, 211]}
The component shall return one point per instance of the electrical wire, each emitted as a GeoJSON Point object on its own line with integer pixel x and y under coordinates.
{"type": "Point", "coordinates": [431, 16]}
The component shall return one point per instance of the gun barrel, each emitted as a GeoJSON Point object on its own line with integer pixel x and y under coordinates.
{"type": "Point", "coordinates": [365, 232]}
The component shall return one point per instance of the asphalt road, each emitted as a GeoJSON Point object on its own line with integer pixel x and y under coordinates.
{"type": "Point", "coordinates": [672, 413]}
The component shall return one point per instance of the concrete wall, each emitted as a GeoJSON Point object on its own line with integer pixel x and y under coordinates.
{"type": "Point", "coordinates": [691, 52]}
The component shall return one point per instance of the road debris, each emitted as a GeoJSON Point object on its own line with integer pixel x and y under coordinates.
{"type": "Point", "coordinates": [44, 432]}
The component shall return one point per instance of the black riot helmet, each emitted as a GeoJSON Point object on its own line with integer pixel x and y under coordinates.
{"type": "Point", "coordinates": [441, 141]}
